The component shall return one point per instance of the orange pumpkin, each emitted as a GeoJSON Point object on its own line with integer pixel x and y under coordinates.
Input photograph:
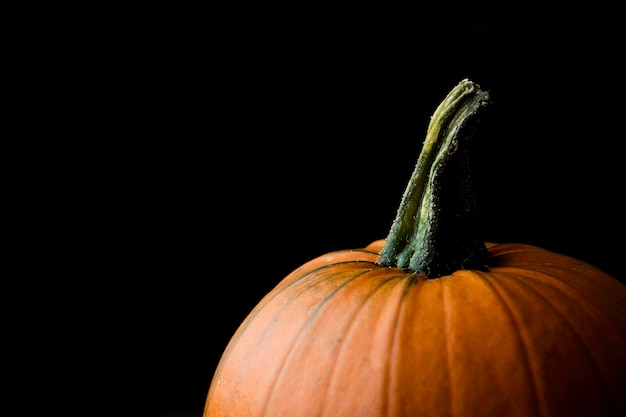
{"type": "Point", "coordinates": [432, 321]}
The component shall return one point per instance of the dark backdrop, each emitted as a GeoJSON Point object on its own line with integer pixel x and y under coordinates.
{"type": "Point", "coordinates": [231, 151]}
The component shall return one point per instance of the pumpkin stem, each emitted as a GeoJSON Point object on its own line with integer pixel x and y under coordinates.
{"type": "Point", "coordinates": [436, 231]}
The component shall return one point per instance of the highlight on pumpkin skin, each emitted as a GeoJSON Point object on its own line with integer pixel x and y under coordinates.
{"type": "Point", "coordinates": [436, 228]}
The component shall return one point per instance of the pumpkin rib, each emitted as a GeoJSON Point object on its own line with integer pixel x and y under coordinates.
{"type": "Point", "coordinates": [350, 328]}
{"type": "Point", "coordinates": [558, 284]}
{"type": "Point", "coordinates": [267, 302]}
{"type": "Point", "coordinates": [506, 307]}
{"type": "Point", "coordinates": [447, 308]}
{"type": "Point", "coordinates": [367, 250]}
{"type": "Point", "coordinates": [590, 283]}
{"type": "Point", "coordinates": [554, 279]}
{"type": "Point", "coordinates": [523, 280]}
{"type": "Point", "coordinates": [503, 249]}
{"type": "Point", "coordinates": [605, 385]}
{"type": "Point", "coordinates": [317, 273]}
{"type": "Point", "coordinates": [320, 277]}
{"type": "Point", "coordinates": [289, 352]}
{"type": "Point", "coordinates": [394, 345]}
{"type": "Point", "coordinates": [581, 293]}
{"type": "Point", "coordinates": [302, 272]}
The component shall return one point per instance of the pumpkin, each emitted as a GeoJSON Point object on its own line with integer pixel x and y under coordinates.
{"type": "Point", "coordinates": [432, 321]}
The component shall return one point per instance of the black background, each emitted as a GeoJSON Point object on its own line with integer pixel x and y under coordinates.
{"type": "Point", "coordinates": [223, 153]}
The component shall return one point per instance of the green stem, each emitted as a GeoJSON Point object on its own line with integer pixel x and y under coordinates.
{"type": "Point", "coordinates": [436, 231]}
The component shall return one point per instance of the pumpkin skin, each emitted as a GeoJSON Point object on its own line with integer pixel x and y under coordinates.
{"type": "Point", "coordinates": [538, 334]}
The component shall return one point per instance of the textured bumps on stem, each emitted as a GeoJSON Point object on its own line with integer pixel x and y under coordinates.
{"type": "Point", "coordinates": [436, 231]}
